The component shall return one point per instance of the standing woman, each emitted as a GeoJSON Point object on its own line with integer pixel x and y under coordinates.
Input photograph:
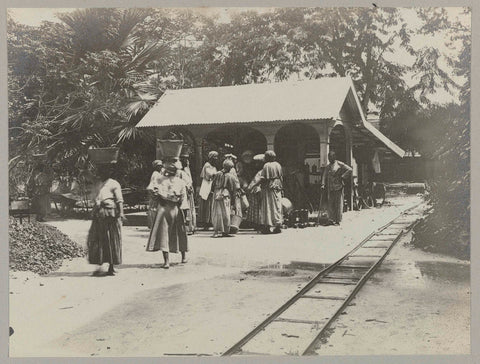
{"type": "Point", "coordinates": [152, 205]}
{"type": "Point", "coordinates": [105, 236]}
{"type": "Point", "coordinates": [333, 179]}
{"type": "Point", "coordinates": [271, 177]}
{"type": "Point", "coordinates": [254, 195]}
{"type": "Point", "coordinates": [39, 186]}
{"type": "Point", "coordinates": [236, 203]}
{"type": "Point", "coordinates": [206, 196]}
{"type": "Point", "coordinates": [224, 191]}
{"type": "Point", "coordinates": [188, 206]}
{"type": "Point", "coordinates": [168, 232]}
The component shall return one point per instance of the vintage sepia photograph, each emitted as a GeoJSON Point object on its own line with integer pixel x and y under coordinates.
{"type": "Point", "coordinates": [271, 181]}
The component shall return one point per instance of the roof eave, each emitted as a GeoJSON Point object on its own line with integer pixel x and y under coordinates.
{"type": "Point", "coordinates": [377, 133]}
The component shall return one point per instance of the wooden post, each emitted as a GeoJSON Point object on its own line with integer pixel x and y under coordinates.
{"type": "Point", "coordinates": [270, 142]}
{"type": "Point", "coordinates": [348, 159]}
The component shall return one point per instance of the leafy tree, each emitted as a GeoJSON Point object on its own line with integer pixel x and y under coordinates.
{"type": "Point", "coordinates": [86, 100]}
{"type": "Point", "coordinates": [446, 141]}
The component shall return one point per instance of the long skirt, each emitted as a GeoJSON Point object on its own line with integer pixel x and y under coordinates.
{"type": "Point", "coordinates": [41, 205]}
{"type": "Point", "coordinates": [221, 219]}
{"type": "Point", "coordinates": [335, 205]}
{"type": "Point", "coordinates": [152, 210]}
{"type": "Point", "coordinates": [191, 214]}
{"type": "Point", "coordinates": [237, 206]}
{"type": "Point", "coordinates": [168, 232]}
{"type": "Point", "coordinates": [253, 212]}
{"type": "Point", "coordinates": [205, 210]}
{"type": "Point", "coordinates": [105, 241]}
{"type": "Point", "coordinates": [271, 208]}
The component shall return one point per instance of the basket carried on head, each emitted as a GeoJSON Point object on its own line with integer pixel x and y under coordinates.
{"type": "Point", "coordinates": [170, 149]}
{"type": "Point", "coordinates": [103, 155]}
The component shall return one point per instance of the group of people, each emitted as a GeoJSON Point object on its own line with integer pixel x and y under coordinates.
{"type": "Point", "coordinates": [226, 199]}
{"type": "Point", "coordinates": [171, 214]}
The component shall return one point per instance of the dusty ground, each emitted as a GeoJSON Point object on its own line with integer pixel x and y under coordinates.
{"type": "Point", "coordinates": [416, 303]}
{"type": "Point", "coordinates": [228, 286]}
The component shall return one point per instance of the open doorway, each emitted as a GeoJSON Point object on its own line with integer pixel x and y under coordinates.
{"type": "Point", "coordinates": [297, 146]}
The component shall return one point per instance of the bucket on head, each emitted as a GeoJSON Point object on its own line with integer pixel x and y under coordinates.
{"type": "Point", "coordinates": [235, 224]}
{"type": "Point", "coordinates": [103, 155]}
{"type": "Point", "coordinates": [170, 149]}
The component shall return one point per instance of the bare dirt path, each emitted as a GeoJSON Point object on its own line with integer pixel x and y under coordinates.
{"type": "Point", "coordinates": [202, 307]}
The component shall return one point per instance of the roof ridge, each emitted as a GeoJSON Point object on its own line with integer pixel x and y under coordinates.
{"type": "Point", "coordinates": [276, 83]}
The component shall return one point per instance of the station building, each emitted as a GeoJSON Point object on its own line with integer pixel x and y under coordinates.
{"type": "Point", "coordinates": [301, 121]}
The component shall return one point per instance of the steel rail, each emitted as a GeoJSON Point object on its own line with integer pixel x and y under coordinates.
{"type": "Point", "coordinates": [311, 348]}
{"type": "Point", "coordinates": [318, 279]}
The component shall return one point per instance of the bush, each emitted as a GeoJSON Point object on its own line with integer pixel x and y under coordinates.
{"type": "Point", "coordinates": [447, 229]}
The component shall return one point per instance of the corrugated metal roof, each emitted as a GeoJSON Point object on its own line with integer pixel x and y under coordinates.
{"type": "Point", "coordinates": [303, 100]}
{"type": "Point", "coordinates": [281, 101]}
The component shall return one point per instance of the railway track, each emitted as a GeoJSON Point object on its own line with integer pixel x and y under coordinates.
{"type": "Point", "coordinates": [299, 325]}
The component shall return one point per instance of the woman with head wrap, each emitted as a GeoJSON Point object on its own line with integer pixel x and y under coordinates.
{"type": "Point", "coordinates": [224, 191]}
{"type": "Point", "coordinates": [104, 240]}
{"type": "Point", "coordinates": [271, 181]}
{"type": "Point", "coordinates": [236, 203]}
{"type": "Point", "coordinates": [253, 194]}
{"type": "Point", "coordinates": [152, 205]}
{"type": "Point", "coordinates": [206, 196]}
{"type": "Point", "coordinates": [188, 206]}
{"type": "Point", "coordinates": [168, 232]}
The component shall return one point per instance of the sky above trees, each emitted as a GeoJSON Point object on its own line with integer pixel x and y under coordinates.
{"type": "Point", "coordinates": [35, 17]}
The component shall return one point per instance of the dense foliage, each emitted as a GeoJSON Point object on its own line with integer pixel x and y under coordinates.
{"type": "Point", "coordinates": [447, 228]}
{"type": "Point", "coordinates": [444, 133]}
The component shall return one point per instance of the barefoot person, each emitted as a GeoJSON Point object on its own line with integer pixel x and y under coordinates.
{"type": "Point", "coordinates": [236, 203]}
{"type": "Point", "coordinates": [105, 236]}
{"type": "Point", "coordinates": [271, 181]}
{"type": "Point", "coordinates": [254, 195]}
{"type": "Point", "coordinates": [168, 232]}
{"type": "Point", "coordinates": [333, 180]}
{"type": "Point", "coordinates": [206, 196]}
{"type": "Point", "coordinates": [224, 192]}
{"type": "Point", "coordinates": [189, 211]}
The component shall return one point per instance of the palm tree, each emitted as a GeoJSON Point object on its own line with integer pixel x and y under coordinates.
{"type": "Point", "coordinates": [117, 81]}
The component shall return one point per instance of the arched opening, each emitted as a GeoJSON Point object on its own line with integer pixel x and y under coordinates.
{"type": "Point", "coordinates": [297, 147]}
{"type": "Point", "coordinates": [236, 140]}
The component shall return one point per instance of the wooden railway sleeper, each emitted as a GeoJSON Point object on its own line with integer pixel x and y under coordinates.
{"type": "Point", "coordinates": [324, 297]}
{"type": "Point", "coordinates": [364, 256]}
{"type": "Point", "coordinates": [354, 266]}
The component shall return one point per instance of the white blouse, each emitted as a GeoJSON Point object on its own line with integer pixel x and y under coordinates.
{"type": "Point", "coordinates": [109, 189]}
